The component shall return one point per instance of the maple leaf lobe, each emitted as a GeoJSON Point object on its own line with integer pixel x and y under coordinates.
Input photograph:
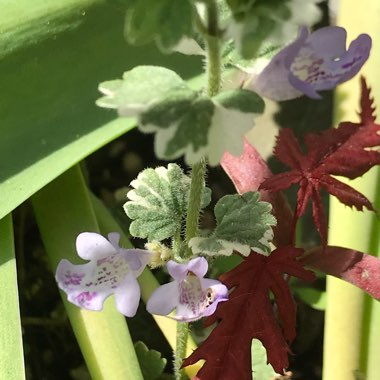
{"type": "Point", "coordinates": [249, 314]}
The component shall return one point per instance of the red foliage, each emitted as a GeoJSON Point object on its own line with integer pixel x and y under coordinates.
{"type": "Point", "coordinates": [249, 313]}
{"type": "Point", "coordinates": [358, 268]}
{"type": "Point", "coordinates": [342, 151]}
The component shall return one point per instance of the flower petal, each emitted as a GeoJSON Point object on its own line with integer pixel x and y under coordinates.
{"type": "Point", "coordinates": [127, 296]}
{"type": "Point", "coordinates": [138, 259]}
{"type": "Point", "coordinates": [198, 266]}
{"type": "Point", "coordinates": [176, 270]}
{"type": "Point", "coordinates": [164, 299]}
{"type": "Point", "coordinates": [114, 239]}
{"type": "Point", "coordinates": [323, 62]}
{"type": "Point", "coordinates": [273, 81]}
{"type": "Point", "coordinates": [219, 294]}
{"type": "Point", "coordinates": [75, 281]}
{"type": "Point", "coordinates": [92, 246]}
{"type": "Point", "coordinates": [88, 285]}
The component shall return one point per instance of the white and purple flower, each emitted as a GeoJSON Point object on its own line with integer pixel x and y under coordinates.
{"type": "Point", "coordinates": [111, 270]}
{"type": "Point", "coordinates": [190, 294]}
{"type": "Point", "coordinates": [313, 62]}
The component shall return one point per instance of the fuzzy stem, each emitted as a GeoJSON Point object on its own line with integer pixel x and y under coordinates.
{"type": "Point", "coordinates": [194, 207]}
{"type": "Point", "coordinates": [213, 50]}
{"type": "Point", "coordinates": [198, 174]}
{"type": "Point", "coordinates": [181, 343]}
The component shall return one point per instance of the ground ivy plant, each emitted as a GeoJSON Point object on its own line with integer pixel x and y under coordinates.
{"type": "Point", "coordinates": [205, 125]}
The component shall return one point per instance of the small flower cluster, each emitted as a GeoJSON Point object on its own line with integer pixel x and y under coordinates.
{"type": "Point", "coordinates": [113, 270]}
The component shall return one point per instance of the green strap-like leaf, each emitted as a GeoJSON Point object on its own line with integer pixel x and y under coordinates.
{"type": "Point", "coordinates": [11, 351]}
{"type": "Point", "coordinates": [63, 210]}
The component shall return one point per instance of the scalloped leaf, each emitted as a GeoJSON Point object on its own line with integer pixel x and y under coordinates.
{"type": "Point", "coordinates": [151, 363]}
{"type": "Point", "coordinates": [158, 202]}
{"type": "Point", "coordinates": [192, 124]}
{"type": "Point", "coordinates": [165, 21]}
{"type": "Point", "coordinates": [185, 121]}
{"type": "Point", "coordinates": [244, 223]}
{"type": "Point", "coordinates": [133, 94]}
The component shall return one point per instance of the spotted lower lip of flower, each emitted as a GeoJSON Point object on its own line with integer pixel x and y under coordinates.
{"type": "Point", "coordinates": [190, 294]}
{"type": "Point", "coordinates": [111, 270]}
{"type": "Point", "coordinates": [313, 62]}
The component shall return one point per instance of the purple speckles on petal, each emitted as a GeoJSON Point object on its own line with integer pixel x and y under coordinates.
{"type": "Point", "coordinates": [84, 299]}
{"type": "Point", "coordinates": [72, 279]}
{"type": "Point", "coordinates": [313, 62]}
{"type": "Point", "coordinates": [190, 294]}
{"type": "Point", "coordinates": [110, 269]}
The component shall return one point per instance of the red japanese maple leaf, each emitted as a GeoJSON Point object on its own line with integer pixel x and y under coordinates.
{"type": "Point", "coordinates": [249, 313]}
{"type": "Point", "coordinates": [342, 151]}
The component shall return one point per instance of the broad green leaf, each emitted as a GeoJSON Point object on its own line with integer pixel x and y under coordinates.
{"type": "Point", "coordinates": [261, 370]}
{"type": "Point", "coordinates": [244, 223]}
{"type": "Point", "coordinates": [165, 21]}
{"type": "Point", "coordinates": [158, 202]}
{"type": "Point", "coordinates": [139, 88]}
{"type": "Point", "coordinates": [11, 351]}
{"type": "Point", "coordinates": [53, 55]}
{"type": "Point", "coordinates": [151, 363]}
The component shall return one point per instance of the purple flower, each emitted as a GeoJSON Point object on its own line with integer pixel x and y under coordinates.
{"type": "Point", "coordinates": [190, 294]}
{"type": "Point", "coordinates": [111, 270]}
{"type": "Point", "coordinates": [313, 62]}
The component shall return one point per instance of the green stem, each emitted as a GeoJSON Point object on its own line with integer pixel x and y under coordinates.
{"type": "Point", "coordinates": [197, 183]}
{"type": "Point", "coordinates": [214, 66]}
{"type": "Point", "coordinates": [181, 343]}
{"type": "Point", "coordinates": [199, 170]}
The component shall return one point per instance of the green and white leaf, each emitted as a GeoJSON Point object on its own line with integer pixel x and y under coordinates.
{"type": "Point", "coordinates": [244, 223]}
{"type": "Point", "coordinates": [139, 88]}
{"type": "Point", "coordinates": [159, 202]}
{"type": "Point", "coordinates": [185, 121]}
{"type": "Point", "coordinates": [269, 21]}
{"type": "Point", "coordinates": [189, 123]}
{"type": "Point", "coordinates": [151, 363]}
{"type": "Point", "coordinates": [260, 369]}
{"type": "Point", "coordinates": [165, 21]}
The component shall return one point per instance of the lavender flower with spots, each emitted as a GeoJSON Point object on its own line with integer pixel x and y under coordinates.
{"type": "Point", "coordinates": [313, 62]}
{"type": "Point", "coordinates": [111, 270]}
{"type": "Point", "coordinates": [190, 294]}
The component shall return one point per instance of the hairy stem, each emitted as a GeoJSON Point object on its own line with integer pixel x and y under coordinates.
{"type": "Point", "coordinates": [213, 50]}
{"type": "Point", "coordinates": [182, 337]}
{"type": "Point", "coordinates": [213, 71]}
